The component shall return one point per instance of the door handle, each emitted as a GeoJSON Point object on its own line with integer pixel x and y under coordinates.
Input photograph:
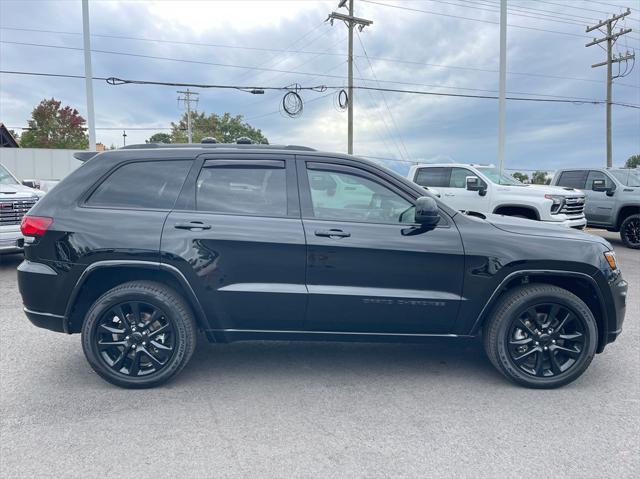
{"type": "Point", "coordinates": [192, 225]}
{"type": "Point", "coordinates": [332, 233]}
{"type": "Point", "coordinates": [449, 194]}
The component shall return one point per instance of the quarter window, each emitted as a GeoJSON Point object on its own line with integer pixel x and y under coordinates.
{"type": "Point", "coordinates": [251, 190]}
{"type": "Point", "coordinates": [433, 177]}
{"type": "Point", "coordinates": [143, 184]}
{"type": "Point", "coordinates": [573, 179]}
{"type": "Point", "coordinates": [350, 197]}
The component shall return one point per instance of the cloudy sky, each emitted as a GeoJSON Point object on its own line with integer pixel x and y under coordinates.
{"type": "Point", "coordinates": [449, 46]}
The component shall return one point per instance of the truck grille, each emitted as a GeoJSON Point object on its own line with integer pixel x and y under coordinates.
{"type": "Point", "coordinates": [12, 211]}
{"type": "Point", "coordinates": [573, 206]}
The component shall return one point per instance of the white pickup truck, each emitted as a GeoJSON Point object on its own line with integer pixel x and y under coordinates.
{"type": "Point", "coordinates": [483, 189]}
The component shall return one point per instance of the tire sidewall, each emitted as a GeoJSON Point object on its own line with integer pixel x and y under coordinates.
{"type": "Point", "coordinates": [111, 299]}
{"type": "Point", "coordinates": [513, 371]}
{"type": "Point", "coordinates": [623, 228]}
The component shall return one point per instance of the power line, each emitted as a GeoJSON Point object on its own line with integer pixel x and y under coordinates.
{"type": "Point", "coordinates": [315, 53]}
{"type": "Point", "coordinates": [323, 88]}
{"type": "Point", "coordinates": [199, 62]}
{"type": "Point", "coordinates": [373, 2]}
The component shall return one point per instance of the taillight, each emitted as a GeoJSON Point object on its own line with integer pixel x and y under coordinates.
{"type": "Point", "coordinates": [35, 225]}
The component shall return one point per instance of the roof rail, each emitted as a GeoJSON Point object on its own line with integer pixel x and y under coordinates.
{"type": "Point", "coordinates": [216, 145]}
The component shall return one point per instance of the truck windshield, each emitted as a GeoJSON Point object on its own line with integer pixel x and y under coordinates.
{"type": "Point", "coordinates": [627, 177]}
{"type": "Point", "coordinates": [6, 178]}
{"type": "Point", "coordinates": [496, 177]}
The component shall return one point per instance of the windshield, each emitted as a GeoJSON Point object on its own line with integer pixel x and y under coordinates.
{"type": "Point", "coordinates": [627, 177]}
{"type": "Point", "coordinates": [6, 178]}
{"type": "Point", "coordinates": [496, 177]}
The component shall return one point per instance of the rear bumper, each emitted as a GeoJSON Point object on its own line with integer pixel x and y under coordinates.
{"type": "Point", "coordinates": [47, 320]}
{"type": "Point", "coordinates": [39, 287]}
{"type": "Point", "coordinates": [619, 295]}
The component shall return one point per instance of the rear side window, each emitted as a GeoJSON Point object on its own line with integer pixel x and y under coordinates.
{"type": "Point", "coordinates": [433, 177]}
{"type": "Point", "coordinates": [251, 190]}
{"type": "Point", "coordinates": [573, 179]}
{"type": "Point", "coordinates": [143, 184]}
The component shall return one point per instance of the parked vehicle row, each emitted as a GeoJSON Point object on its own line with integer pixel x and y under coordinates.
{"type": "Point", "coordinates": [142, 246]}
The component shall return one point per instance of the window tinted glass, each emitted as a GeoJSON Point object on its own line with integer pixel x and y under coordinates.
{"type": "Point", "coordinates": [144, 184]}
{"type": "Point", "coordinates": [597, 175]}
{"type": "Point", "coordinates": [242, 190]}
{"type": "Point", "coordinates": [459, 177]}
{"type": "Point", "coordinates": [434, 177]}
{"type": "Point", "coordinates": [573, 179]}
{"type": "Point", "coordinates": [348, 197]}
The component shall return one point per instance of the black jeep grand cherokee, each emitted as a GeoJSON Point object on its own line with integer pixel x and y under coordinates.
{"type": "Point", "coordinates": [140, 247]}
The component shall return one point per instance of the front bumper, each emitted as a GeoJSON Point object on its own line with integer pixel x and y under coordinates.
{"type": "Point", "coordinates": [577, 223]}
{"type": "Point", "coordinates": [11, 239]}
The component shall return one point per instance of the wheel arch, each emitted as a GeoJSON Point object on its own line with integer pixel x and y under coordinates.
{"type": "Point", "coordinates": [101, 276]}
{"type": "Point", "coordinates": [625, 212]}
{"type": "Point", "coordinates": [580, 284]}
{"type": "Point", "coordinates": [511, 209]}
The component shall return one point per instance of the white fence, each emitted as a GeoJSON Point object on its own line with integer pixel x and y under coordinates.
{"type": "Point", "coordinates": [39, 163]}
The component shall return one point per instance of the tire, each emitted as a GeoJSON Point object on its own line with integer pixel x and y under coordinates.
{"type": "Point", "coordinates": [517, 330]}
{"type": "Point", "coordinates": [139, 334]}
{"type": "Point", "coordinates": [630, 232]}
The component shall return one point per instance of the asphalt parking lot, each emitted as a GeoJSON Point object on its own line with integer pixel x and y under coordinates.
{"type": "Point", "coordinates": [314, 409]}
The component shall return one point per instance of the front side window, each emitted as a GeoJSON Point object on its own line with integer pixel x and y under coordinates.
{"type": "Point", "coordinates": [248, 190]}
{"type": "Point", "coordinates": [598, 175]}
{"type": "Point", "coordinates": [143, 184]}
{"type": "Point", "coordinates": [459, 177]}
{"type": "Point", "coordinates": [349, 197]}
{"type": "Point", "coordinates": [435, 177]}
{"type": "Point", "coordinates": [573, 179]}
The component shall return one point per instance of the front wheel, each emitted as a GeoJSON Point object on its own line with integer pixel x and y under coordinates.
{"type": "Point", "coordinates": [139, 334]}
{"type": "Point", "coordinates": [541, 336]}
{"type": "Point", "coordinates": [630, 232]}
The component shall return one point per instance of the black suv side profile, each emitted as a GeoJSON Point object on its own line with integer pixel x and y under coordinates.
{"type": "Point", "coordinates": [141, 247]}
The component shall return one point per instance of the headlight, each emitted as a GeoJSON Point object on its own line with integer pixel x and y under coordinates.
{"type": "Point", "coordinates": [611, 259]}
{"type": "Point", "coordinates": [557, 202]}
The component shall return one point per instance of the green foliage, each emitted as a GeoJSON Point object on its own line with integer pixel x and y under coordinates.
{"type": "Point", "coordinates": [225, 128]}
{"type": "Point", "coordinates": [633, 162]}
{"type": "Point", "coordinates": [540, 178]}
{"type": "Point", "coordinates": [54, 127]}
{"type": "Point", "coordinates": [160, 138]}
{"type": "Point", "coordinates": [522, 177]}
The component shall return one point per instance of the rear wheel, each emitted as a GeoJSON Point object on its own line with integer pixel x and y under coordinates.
{"type": "Point", "coordinates": [139, 334]}
{"type": "Point", "coordinates": [541, 336]}
{"type": "Point", "coordinates": [630, 232]}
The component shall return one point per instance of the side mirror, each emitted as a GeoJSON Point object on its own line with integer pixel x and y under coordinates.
{"type": "Point", "coordinates": [427, 213]}
{"type": "Point", "coordinates": [31, 184]}
{"type": "Point", "coordinates": [473, 183]}
{"type": "Point", "coordinates": [601, 186]}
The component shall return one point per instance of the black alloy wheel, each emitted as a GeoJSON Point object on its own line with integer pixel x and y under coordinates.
{"type": "Point", "coordinates": [630, 232]}
{"type": "Point", "coordinates": [135, 338]}
{"type": "Point", "coordinates": [546, 340]}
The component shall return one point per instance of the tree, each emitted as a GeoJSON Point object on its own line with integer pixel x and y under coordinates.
{"type": "Point", "coordinates": [54, 127]}
{"type": "Point", "coordinates": [540, 178]}
{"type": "Point", "coordinates": [225, 128]}
{"type": "Point", "coordinates": [633, 162]}
{"type": "Point", "coordinates": [522, 177]}
{"type": "Point", "coordinates": [160, 138]}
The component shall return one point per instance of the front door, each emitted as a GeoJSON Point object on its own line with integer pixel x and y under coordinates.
{"type": "Point", "coordinates": [369, 268]}
{"type": "Point", "coordinates": [237, 235]}
{"type": "Point", "coordinates": [598, 206]}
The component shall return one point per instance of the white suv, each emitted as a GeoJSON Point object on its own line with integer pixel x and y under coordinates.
{"type": "Point", "coordinates": [15, 200]}
{"type": "Point", "coordinates": [485, 190]}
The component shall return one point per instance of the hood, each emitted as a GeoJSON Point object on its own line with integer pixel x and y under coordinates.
{"type": "Point", "coordinates": [18, 191]}
{"type": "Point", "coordinates": [541, 228]}
{"type": "Point", "coordinates": [555, 190]}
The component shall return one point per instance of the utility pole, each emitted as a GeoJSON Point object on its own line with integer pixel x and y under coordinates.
{"type": "Point", "coordinates": [502, 82]}
{"type": "Point", "coordinates": [124, 137]}
{"type": "Point", "coordinates": [351, 22]}
{"type": "Point", "coordinates": [187, 102]}
{"type": "Point", "coordinates": [610, 37]}
{"type": "Point", "coordinates": [88, 76]}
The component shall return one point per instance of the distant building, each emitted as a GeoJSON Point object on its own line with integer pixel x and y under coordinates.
{"type": "Point", "coordinates": [100, 147]}
{"type": "Point", "coordinates": [6, 138]}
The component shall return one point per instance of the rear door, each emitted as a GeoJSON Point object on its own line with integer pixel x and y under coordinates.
{"type": "Point", "coordinates": [236, 233]}
{"type": "Point", "coordinates": [369, 269]}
